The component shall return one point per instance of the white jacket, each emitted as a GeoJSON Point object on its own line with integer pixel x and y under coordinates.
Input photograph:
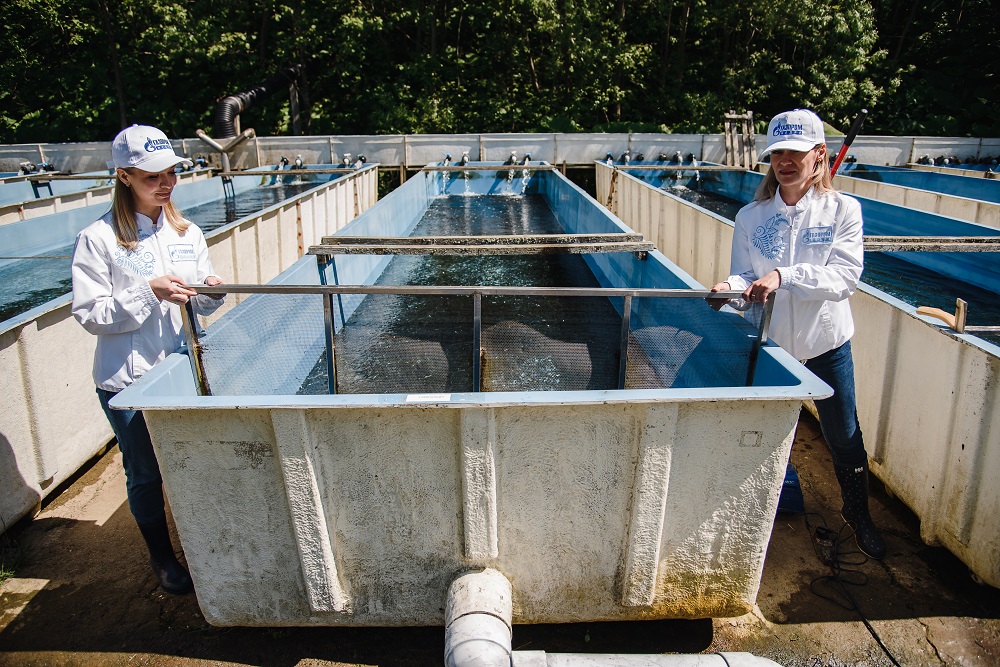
{"type": "Point", "coordinates": [817, 246]}
{"type": "Point", "coordinates": [112, 297]}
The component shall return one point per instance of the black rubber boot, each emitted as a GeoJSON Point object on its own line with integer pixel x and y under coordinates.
{"type": "Point", "coordinates": [170, 573]}
{"type": "Point", "coordinates": [854, 490]}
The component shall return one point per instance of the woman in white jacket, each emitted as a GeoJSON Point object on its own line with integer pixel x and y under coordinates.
{"type": "Point", "coordinates": [802, 241]}
{"type": "Point", "coordinates": [130, 271]}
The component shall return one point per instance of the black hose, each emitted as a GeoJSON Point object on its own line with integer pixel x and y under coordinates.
{"type": "Point", "coordinates": [231, 106]}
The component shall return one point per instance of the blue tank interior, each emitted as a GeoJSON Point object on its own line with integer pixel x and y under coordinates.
{"type": "Point", "coordinates": [22, 191]}
{"type": "Point", "coordinates": [982, 189]}
{"type": "Point", "coordinates": [265, 361]}
{"type": "Point", "coordinates": [54, 235]}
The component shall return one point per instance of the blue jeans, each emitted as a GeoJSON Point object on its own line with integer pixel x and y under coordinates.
{"type": "Point", "coordinates": [142, 473]}
{"type": "Point", "coordinates": [838, 415]}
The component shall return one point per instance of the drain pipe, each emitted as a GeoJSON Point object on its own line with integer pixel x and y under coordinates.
{"type": "Point", "coordinates": [477, 620]}
{"type": "Point", "coordinates": [478, 616]}
{"type": "Point", "coordinates": [543, 659]}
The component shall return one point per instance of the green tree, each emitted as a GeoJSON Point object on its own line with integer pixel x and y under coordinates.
{"type": "Point", "coordinates": [941, 67]}
{"type": "Point", "coordinates": [80, 71]}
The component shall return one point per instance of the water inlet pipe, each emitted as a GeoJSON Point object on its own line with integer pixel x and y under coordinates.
{"type": "Point", "coordinates": [231, 106]}
{"type": "Point", "coordinates": [478, 616]}
{"type": "Point", "coordinates": [227, 148]}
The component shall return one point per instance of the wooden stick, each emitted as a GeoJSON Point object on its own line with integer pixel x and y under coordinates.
{"type": "Point", "coordinates": [955, 322]}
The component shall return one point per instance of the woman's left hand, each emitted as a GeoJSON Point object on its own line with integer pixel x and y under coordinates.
{"type": "Point", "coordinates": [717, 304]}
{"type": "Point", "coordinates": [761, 288]}
{"type": "Point", "coordinates": [212, 281]}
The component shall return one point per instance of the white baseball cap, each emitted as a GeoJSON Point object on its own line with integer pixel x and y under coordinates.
{"type": "Point", "coordinates": [796, 130]}
{"type": "Point", "coordinates": [146, 148]}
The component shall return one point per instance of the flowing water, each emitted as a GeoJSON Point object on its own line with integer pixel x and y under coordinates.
{"type": "Point", "coordinates": [724, 206]}
{"type": "Point", "coordinates": [220, 212]}
{"type": "Point", "coordinates": [31, 282]}
{"type": "Point", "coordinates": [532, 343]}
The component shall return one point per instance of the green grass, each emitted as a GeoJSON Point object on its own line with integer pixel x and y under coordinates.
{"type": "Point", "coordinates": [10, 557]}
{"type": "Point", "coordinates": [5, 573]}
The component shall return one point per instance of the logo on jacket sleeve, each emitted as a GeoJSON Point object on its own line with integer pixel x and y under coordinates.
{"type": "Point", "coordinates": [767, 237]}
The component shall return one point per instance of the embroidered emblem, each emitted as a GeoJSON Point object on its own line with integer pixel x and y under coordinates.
{"type": "Point", "coordinates": [784, 129]}
{"type": "Point", "coordinates": [156, 145]}
{"type": "Point", "coordinates": [817, 236]}
{"type": "Point", "coordinates": [139, 261]}
{"type": "Point", "coordinates": [182, 252]}
{"type": "Point", "coordinates": [767, 237]}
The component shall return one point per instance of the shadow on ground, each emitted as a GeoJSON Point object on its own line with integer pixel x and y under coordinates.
{"type": "Point", "coordinates": [913, 581]}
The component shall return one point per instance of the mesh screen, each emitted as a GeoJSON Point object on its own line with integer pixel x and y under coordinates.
{"type": "Point", "coordinates": [681, 342]}
{"type": "Point", "coordinates": [268, 345]}
{"type": "Point", "coordinates": [275, 344]}
{"type": "Point", "coordinates": [549, 343]}
{"type": "Point", "coordinates": [391, 343]}
{"type": "Point", "coordinates": [406, 344]}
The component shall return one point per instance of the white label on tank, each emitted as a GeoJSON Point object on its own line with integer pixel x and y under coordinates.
{"type": "Point", "coordinates": [427, 398]}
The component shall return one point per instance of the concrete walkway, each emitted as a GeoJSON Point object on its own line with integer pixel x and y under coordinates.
{"type": "Point", "coordinates": [84, 595]}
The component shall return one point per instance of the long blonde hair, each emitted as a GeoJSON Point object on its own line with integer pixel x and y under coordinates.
{"type": "Point", "coordinates": [820, 179]}
{"type": "Point", "coordinates": [123, 219]}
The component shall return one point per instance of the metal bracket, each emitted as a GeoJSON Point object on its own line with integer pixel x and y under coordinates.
{"type": "Point", "coordinates": [765, 322]}
{"type": "Point", "coordinates": [192, 334]}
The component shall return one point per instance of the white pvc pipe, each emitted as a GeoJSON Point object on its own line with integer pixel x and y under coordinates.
{"type": "Point", "coordinates": [543, 659]}
{"type": "Point", "coordinates": [478, 617]}
{"type": "Point", "coordinates": [477, 620]}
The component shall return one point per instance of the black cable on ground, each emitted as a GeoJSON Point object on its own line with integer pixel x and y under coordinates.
{"type": "Point", "coordinates": [832, 551]}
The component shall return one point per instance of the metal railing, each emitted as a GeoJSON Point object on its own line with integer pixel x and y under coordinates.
{"type": "Point", "coordinates": [330, 292]}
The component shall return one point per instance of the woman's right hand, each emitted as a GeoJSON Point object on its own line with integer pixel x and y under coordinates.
{"type": "Point", "coordinates": [171, 289]}
{"type": "Point", "coordinates": [717, 304]}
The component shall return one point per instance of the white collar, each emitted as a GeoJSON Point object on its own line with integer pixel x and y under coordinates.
{"type": "Point", "coordinates": [144, 222]}
{"type": "Point", "coordinates": [800, 205]}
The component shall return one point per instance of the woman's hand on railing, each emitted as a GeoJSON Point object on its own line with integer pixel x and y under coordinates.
{"type": "Point", "coordinates": [717, 304]}
{"type": "Point", "coordinates": [171, 289]}
{"type": "Point", "coordinates": [212, 281]}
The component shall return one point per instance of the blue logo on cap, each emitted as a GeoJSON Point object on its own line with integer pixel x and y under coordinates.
{"type": "Point", "coordinates": [157, 145]}
{"type": "Point", "coordinates": [784, 129]}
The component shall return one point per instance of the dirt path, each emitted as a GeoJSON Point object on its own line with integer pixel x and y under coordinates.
{"type": "Point", "coordinates": [83, 595]}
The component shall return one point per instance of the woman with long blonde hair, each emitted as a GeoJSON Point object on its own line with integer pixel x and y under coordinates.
{"type": "Point", "coordinates": [131, 269]}
{"type": "Point", "coordinates": [802, 241]}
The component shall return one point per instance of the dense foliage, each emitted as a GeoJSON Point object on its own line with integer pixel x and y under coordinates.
{"type": "Point", "coordinates": [78, 70]}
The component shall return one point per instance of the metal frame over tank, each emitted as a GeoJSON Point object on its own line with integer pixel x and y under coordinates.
{"type": "Point", "coordinates": [361, 509]}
